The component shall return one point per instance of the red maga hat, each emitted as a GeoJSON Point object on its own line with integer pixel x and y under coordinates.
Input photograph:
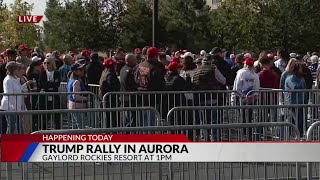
{"type": "Point", "coordinates": [23, 47]}
{"type": "Point", "coordinates": [108, 62]}
{"type": "Point", "coordinates": [152, 52]}
{"type": "Point", "coordinates": [173, 66]}
{"type": "Point", "coordinates": [249, 61]}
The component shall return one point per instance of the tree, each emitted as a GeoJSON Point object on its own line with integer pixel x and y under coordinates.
{"type": "Point", "coordinates": [267, 25]}
{"type": "Point", "coordinates": [186, 24]}
{"type": "Point", "coordinates": [79, 24]}
{"type": "Point", "coordinates": [136, 25]}
{"type": "Point", "coordinates": [13, 33]}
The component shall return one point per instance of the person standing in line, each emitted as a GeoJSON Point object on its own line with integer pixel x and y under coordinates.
{"type": "Point", "coordinates": [120, 58]}
{"type": "Point", "coordinates": [149, 77]}
{"type": "Point", "coordinates": [295, 81]}
{"type": "Point", "coordinates": [58, 61]}
{"type": "Point", "coordinates": [77, 101]}
{"type": "Point", "coordinates": [23, 52]}
{"type": "Point", "coordinates": [128, 84]}
{"type": "Point", "coordinates": [239, 65]}
{"type": "Point", "coordinates": [223, 66]}
{"type": "Point", "coordinates": [314, 66]}
{"type": "Point", "coordinates": [268, 78]}
{"type": "Point", "coordinates": [65, 68]}
{"type": "Point", "coordinates": [11, 85]}
{"type": "Point", "coordinates": [26, 119]}
{"type": "Point", "coordinates": [246, 80]}
{"type": "Point", "coordinates": [283, 61]}
{"type": "Point", "coordinates": [50, 82]}
{"type": "Point", "coordinates": [94, 69]}
{"type": "Point", "coordinates": [109, 82]}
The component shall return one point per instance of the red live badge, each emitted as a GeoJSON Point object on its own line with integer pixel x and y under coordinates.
{"type": "Point", "coordinates": [29, 19]}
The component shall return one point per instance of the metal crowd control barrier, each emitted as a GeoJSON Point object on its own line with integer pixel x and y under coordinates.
{"type": "Point", "coordinates": [84, 118]}
{"type": "Point", "coordinates": [170, 171]}
{"type": "Point", "coordinates": [195, 115]}
{"type": "Point", "coordinates": [94, 88]}
{"type": "Point", "coordinates": [75, 121]}
{"type": "Point", "coordinates": [313, 134]}
{"type": "Point", "coordinates": [45, 101]}
{"type": "Point", "coordinates": [164, 101]}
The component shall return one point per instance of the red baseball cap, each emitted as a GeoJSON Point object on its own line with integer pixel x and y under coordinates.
{"type": "Point", "coordinates": [137, 51]}
{"type": "Point", "coordinates": [108, 62]}
{"type": "Point", "coordinates": [23, 47]}
{"type": "Point", "coordinates": [85, 53]}
{"type": "Point", "coordinates": [175, 59]}
{"type": "Point", "coordinates": [174, 66]}
{"type": "Point", "coordinates": [249, 61]}
{"type": "Point", "coordinates": [152, 52]}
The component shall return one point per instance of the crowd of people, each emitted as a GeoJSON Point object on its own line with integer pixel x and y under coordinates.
{"type": "Point", "coordinates": [27, 70]}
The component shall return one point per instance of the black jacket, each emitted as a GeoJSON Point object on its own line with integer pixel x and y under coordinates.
{"type": "Point", "coordinates": [93, 71]}
{"type": "Point", "coordinates": [47, 101]}
{"type": "Point", "coordinates": [225, 70]}
{"type": "Point", "coordinates": [49, 86]}
{"type": "Point", "coordinates": [307, 77]}
{"type": "Point", "coordinates": [149, 77]}
{"type": "Point", "coordinates": [110, 83]}
{"type": "Point", "coordinates": [127, 81]}
{"type": "Point", "coordinates": [3, 74]}
{"type": "Point", "coordinates": [174, 82]}
{"type": "Point", "coordinates": [59, 63]}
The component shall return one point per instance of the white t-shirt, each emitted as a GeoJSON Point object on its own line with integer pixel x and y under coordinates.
{"type": "Point", "coordinates": [281, 65]}
{"type": "Point", "coordinates": [50, 77]}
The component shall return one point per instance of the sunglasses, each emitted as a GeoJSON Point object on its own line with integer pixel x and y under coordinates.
{"type": "Point", "coordinates": [46, 62]}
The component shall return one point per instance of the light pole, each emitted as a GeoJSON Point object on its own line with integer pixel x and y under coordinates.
{"type": "Point", "coordinates": [155, 23]}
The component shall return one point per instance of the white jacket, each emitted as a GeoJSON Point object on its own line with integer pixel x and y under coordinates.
{"type": "Point", "coordinates": [12, 85]}
{"type": "Point", "coordinates": [246, 81]}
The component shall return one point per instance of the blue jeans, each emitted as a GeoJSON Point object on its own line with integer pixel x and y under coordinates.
{"type": "Point", "coordinates": [13, 124]}
{"type": "Point", "coordinates": [148, 118]}
{"type": "Point", "coordinates": [130, 119]}
{"type": "Point", "coordinates": [79, 120]}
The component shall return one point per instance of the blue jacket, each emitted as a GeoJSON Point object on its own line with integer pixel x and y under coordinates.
{"type": "Point", "coordinates": [64, 70]}
{"type": "Point", "coordinates": [230, 62]}
{"type": "Point", "coordinates": [283, 80]}
{"type": "Point", "coordinates": [292, 82]}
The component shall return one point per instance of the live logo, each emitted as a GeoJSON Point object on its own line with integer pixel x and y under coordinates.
{"type": "Point", "coordinates": [29, 19]}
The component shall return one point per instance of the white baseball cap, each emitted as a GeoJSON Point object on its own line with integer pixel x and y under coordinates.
{"type": "Point", "coordinates": [203, 53]}
{"type": "Point", "coordinates": [293, 55]}
{"type": "Point", "coordinates": [36, 59]}
{"type": "Point", "coordinates": [314, 59]}
{"type": "Point", "coordinates": [188, 54]}
{"type": "Point", "coordinates": [49, 55]}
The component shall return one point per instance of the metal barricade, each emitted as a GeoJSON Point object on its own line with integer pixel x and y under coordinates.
{"type": "Point", "coordinates": [56, 101]}
{"type": "Point", "coordinates": [196, 115]}
{"type": "Point", "coordinates": [88, 116]}
{"type": "Point", "coordinates": [164, 101]}
{"type": "Point", "coordinates": [63, 87]}
{"type": "Point", "coordinates": [313, 134]}
{"type": "Point", "coordinates": [94, 88]}
{"type": "Point", "coordinates": [287, 97]}
{"type": "Point", "coordinates": [170, 171]}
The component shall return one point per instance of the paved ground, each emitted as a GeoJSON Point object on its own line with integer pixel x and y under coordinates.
{"type": "Point", "coordinates": [154, 171]}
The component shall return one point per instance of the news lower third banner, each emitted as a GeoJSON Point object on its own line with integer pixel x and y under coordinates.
{"type": "Point", "coordinates": [148, 148]}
